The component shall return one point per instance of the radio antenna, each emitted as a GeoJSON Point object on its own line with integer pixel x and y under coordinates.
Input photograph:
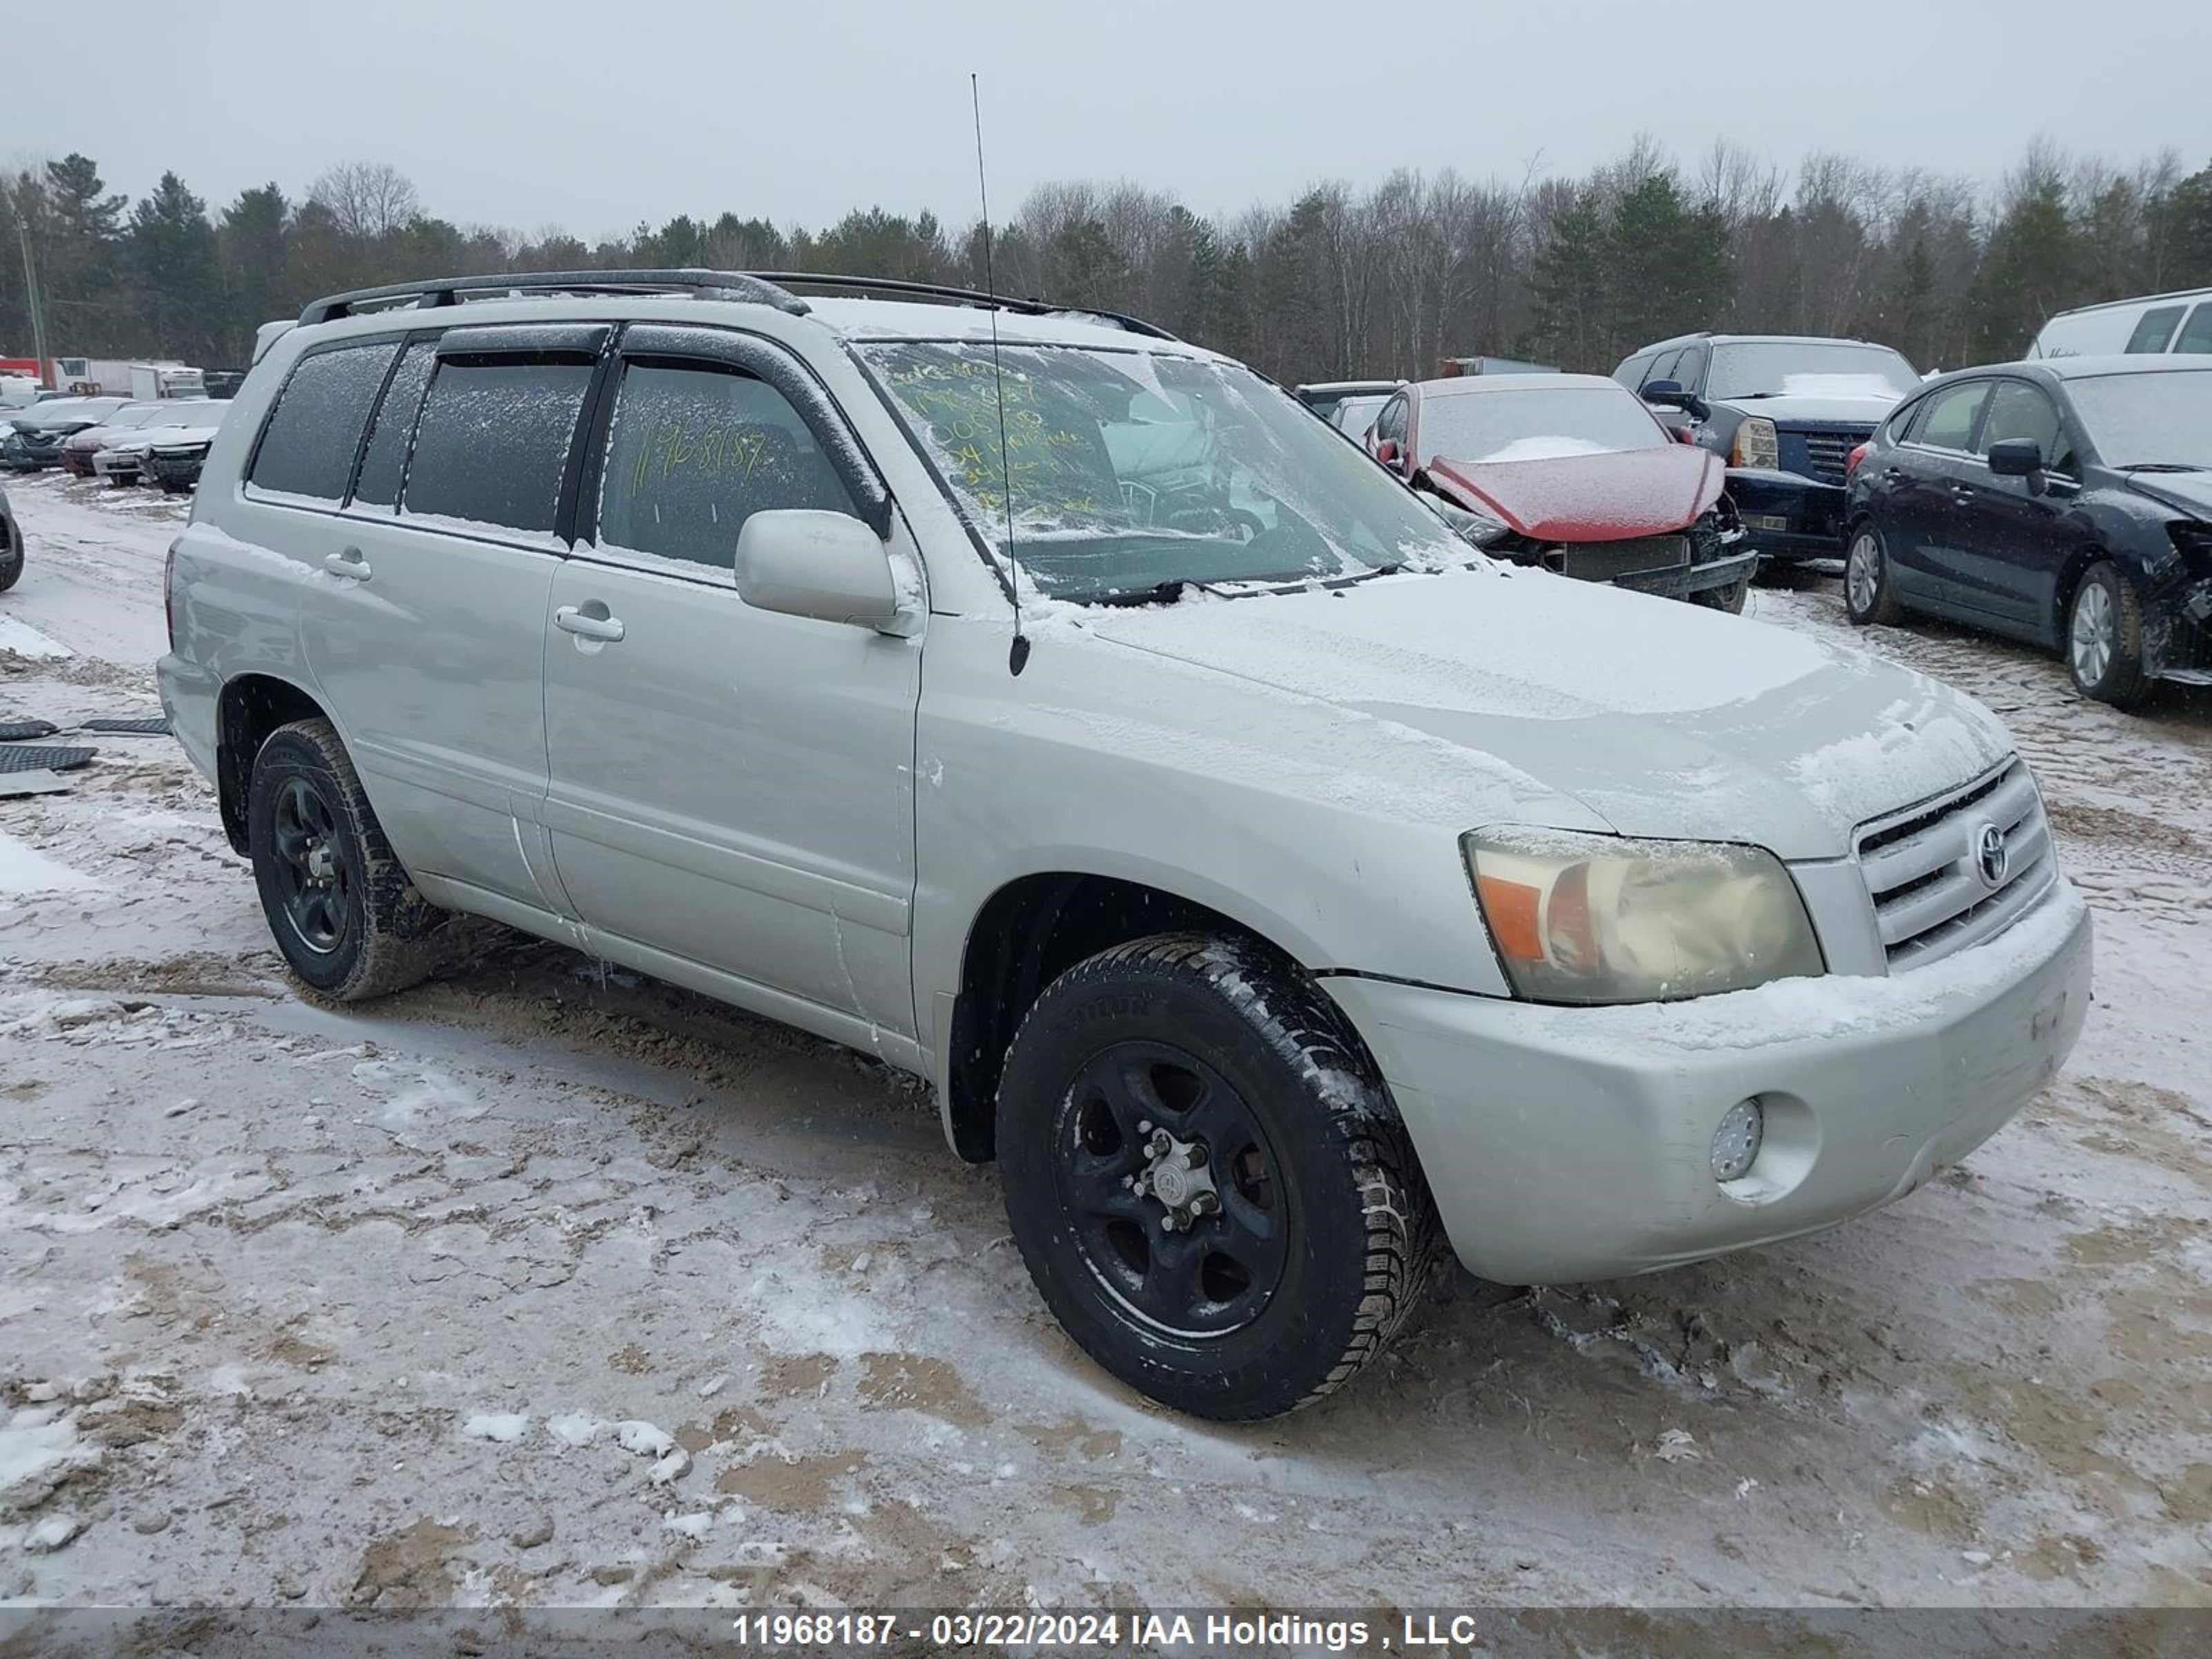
{"type": "Point", "coordinates": [1017, 655]}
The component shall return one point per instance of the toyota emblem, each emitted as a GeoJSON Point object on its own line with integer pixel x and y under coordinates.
{"type": "Point", "coordinates": [1991, 856]}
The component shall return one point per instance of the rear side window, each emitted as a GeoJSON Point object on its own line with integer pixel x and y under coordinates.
{"type": "Point", "coordinates": [2198, 337]}
{"type": "Point", "coordinates": [386, 458]}
{"type": "Point", "coordinates": [493, 439]}
{"type": "Point", "coordinates": [2153, 329]}
{"type": "Point", "coordinates": [1948, 421]}
{"type": "Point", "coordinates": [314, 432]}
{"type": "Point", "coordinates": [694, 452]}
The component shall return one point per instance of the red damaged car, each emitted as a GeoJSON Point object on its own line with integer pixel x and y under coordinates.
{"type": "Point", "coordinates": [1571, 473]}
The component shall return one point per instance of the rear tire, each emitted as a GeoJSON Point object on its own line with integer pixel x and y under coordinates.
{"type": "Point", "coordinates": [1870, 598]}
{"type": "Point", "coordinates": [348, 921]}
{"type": "Point", "coordinates": [1314, 1235]}
{"type": "Point", "coordinates": [2104, 637]}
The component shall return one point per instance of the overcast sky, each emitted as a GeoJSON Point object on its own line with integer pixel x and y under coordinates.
{"type": "Point", "coordinates": [593, 114]}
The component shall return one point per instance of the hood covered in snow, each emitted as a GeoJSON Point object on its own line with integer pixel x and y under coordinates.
{"type": "Point", "coordinates": [1605, 496]}
{"type": "Point", "coordinates": [1662, 719]}
{"type": "Point", "coordinates": [1818, 408]}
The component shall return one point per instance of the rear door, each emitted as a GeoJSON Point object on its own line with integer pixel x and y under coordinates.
{"type": "Point", "coordinates": [2014, 536]}
{"type": "Point", "coordinates": [2196, 336]}
{"type": "Point", "coordinates": [1928, 480]}
{"type": "Point", "coordinates": [731, 789]}
{"type": "Point", "coordinates": [427, 633]}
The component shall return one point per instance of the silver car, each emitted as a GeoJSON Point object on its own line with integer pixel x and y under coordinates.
{"type": "Point", "coordinates": [1276, 888]}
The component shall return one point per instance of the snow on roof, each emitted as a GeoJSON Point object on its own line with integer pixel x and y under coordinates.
{"type": "Point", "coordinates": [916, 319]}
{"type": "Point", "coordinates": [1459, 385]}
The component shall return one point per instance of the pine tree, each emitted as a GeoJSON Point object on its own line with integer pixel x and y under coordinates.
{"type": "Point", "coordinates": [2032, 267]}
{"type": "Point", "coordinates": [174, 271]}
{"type": "Point", "coordinates": [1569, 289]}
{"type": "Point", "coordinates": [250, 244]}
{"type": "Point", "coordinates": [80, 263]}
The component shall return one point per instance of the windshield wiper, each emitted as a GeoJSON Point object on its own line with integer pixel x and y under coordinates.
{"type": "Point", "coordinates": [2162, 466]}
{"type": "Point", "coordinates": [1166, 592]}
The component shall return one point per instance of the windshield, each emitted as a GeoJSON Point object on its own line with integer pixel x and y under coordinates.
{"type": "Point", "coordinates": [2148, 420]}
{"type": "Point", "coordinates": [136, 415]}
{"type": "Point", "coordinates": [1134, 470]}
{"type": "Point", "coordinates": [1534, 423]}
{"type": "Point", "coordinates": [1809, 368]}
{"type": "Point", "coordinates": [1355, 415]}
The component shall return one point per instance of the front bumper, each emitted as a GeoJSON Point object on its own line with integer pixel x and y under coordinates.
{"type": "Point", "coordinates": [1679, 582]}
{"type": "Point", "coordinates": [1787, 515]}
{"type": "Point", "coordinates": [1573, 1143]}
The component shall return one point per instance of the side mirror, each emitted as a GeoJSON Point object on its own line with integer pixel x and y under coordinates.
{"type": "Point", "coordinates": [1386, 451]}
{"type": "Point", "coordinates": [2015, 457]}
{"type": "Point", "coordinates": [803, 562]}
{"type": "Point", "coordinates": [1668, 394]}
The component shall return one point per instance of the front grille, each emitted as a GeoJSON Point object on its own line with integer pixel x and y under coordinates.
{"type": "Point", "coordinates": [1604, 561]}
{"type": "Point", "coordinates": [1828, 451]}
{"type": "Point", "coordinates": [1923, 867]}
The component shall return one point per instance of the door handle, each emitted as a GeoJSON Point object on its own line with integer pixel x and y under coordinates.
{"type": "Point", "coordinates": [349, 563]}
{"type": "Point", "coordinates": [571, 620]}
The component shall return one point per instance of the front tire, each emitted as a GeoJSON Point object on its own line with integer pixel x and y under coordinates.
{"type": "Point", "coordinates": [1729, 598]}
{"type": "Point", "coordinates": [1869, 597]}
{"type": "Point", "coordinates": [1206, 1178]}
{"type": "Point", "coordinates": [348, 921]}
{"type": "Point", "coordinates": [2104, 638]}
{"type": "Point", "coordinates": [11, 559]}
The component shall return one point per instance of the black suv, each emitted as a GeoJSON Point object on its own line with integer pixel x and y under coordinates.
{"type": "Point", "coordinates": [1786, 410]}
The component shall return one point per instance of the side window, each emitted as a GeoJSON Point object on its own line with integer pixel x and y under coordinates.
{"type": "Point", "coordinates": [2153, 329]}
{"type": "Point", "coordinates": [1631, 373]}
{"type": "Point", "coordinates": [2197, 335]}
{"type": "Point", "coordinates": [1948, 418]}
{"type": "Point", "coordinates": [386, 458]}
{"type": "Point", "coordinates": [493, 439]}
{"type": "Point", "coordinates": [1662, 368]}
{"type": "Point", "coordinates": [314, 432]}
{"type": "Point", "coordinates": [695, 452]}
{"type": "Point", "coordinates": [2018, 411]}
{"type": "Point", "coordinates": [1690, 368]}
{"type": "Point", "coordinates": [1390, 424]}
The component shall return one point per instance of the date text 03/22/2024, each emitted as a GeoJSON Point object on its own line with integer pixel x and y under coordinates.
{"type": "Point", "coordinates": [1160, 1632]}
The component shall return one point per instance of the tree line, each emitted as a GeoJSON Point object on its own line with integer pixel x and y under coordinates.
{"type": "Point", "coordinates": [1340, 283]}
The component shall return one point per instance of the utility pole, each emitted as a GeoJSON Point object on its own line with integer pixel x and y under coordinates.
{"type": "Point", "coordinates": [31, 289]}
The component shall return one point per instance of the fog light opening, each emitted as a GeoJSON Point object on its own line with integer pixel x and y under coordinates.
{"type": "Point", "coordinates": [1736, 1142]}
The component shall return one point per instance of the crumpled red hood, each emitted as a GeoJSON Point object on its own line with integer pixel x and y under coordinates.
{"type": "Point", "coordinates": [1589, 498]}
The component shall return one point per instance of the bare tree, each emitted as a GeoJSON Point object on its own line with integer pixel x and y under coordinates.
{"type": "Point", "coordinates": [366, 200]}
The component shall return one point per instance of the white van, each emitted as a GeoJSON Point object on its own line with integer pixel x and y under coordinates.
{"type": "Point", "coordinates": [2162, 322]}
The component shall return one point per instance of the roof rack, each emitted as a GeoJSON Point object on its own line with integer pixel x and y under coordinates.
{"type": "Point", "coordinates": [452, 290]}
{"type": "Point", "coordinates": [1027, 308]}
{"type": "Point", "coordinates": [759, 287]}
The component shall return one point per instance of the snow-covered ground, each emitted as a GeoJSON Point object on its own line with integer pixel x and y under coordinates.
{"type": "Point", "coordinates": [548, 1284]}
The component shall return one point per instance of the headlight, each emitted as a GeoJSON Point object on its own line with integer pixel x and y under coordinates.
{"type": "Point", "coordinates": [1594, 919]}
{"type": "Point", "coordinates": [1756, 445]}
{"type": "Point", "coordinates": [1479, 528]}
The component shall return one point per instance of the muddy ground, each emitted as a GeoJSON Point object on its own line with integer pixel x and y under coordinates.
{"type": "Point", "coordinates": [548, 1284]}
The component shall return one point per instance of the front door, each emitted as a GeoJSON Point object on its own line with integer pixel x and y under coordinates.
{"type": "Point", "coordinates": [729, 786]}
{"type": "Point", "coordinates": [2016, 535]}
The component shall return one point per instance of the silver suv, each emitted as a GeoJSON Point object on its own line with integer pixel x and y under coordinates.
{"type": "Point", "coordinates": [1278, 891]}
